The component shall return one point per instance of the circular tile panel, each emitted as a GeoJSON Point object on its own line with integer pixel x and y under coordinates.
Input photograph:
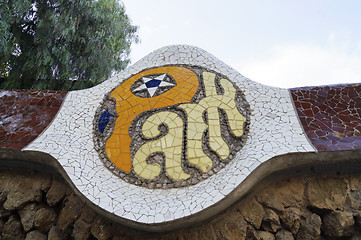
{"type": "Point", "coordinates": [171, 126]}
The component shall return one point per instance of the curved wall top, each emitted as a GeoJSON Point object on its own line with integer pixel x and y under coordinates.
{"type": "Point", "coordinates": [176, 134]}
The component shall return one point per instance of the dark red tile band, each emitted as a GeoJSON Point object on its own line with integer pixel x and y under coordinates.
{"type": "Point", "coordinates": [25, 114]}
{"type": "Point", "coordinates": [330, 115]}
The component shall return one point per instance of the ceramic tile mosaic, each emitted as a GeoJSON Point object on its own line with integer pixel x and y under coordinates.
{"type": "Point", "coordinates": [168, 131]}
{"type": "Point", "coordinates": [174, 135]}
{"type": "Point", "coordinates": [330, 115]}
{"type": "Point", "coordinates": [25, 114]}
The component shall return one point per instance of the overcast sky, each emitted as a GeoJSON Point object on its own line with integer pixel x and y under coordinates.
{"type": "Point", "coordinates": [284, 43]}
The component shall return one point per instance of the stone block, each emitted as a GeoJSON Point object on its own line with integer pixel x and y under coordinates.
{"type": "Point", "coordinates": [290, 218]}
{"type": "Point", "coordinates": [45, 218]}
{"type": "Point", "coordinates": [310, 228]}
{"type": "Point", "coordinates": [327, 193]}
{"type": "Point", "coordinates": [338, 224]}
{"type": "Point", "coordinates": [35, 235]}
{"type": "Point", "coordinates": [56, 192]}
{"type": "Point", "coordinates": [252, 212]}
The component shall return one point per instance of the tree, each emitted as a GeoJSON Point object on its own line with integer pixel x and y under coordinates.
{"type": "Point", "coordinates": [62, 44]}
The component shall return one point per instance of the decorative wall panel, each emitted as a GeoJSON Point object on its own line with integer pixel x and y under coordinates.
{"type": "Point", "coordinates": [177, 134]}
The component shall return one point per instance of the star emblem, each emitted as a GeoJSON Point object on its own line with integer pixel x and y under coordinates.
{"type": "Point", "coordinates": [152, 84]}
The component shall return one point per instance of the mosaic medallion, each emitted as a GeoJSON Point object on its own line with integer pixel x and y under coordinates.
{"type": "Point", "coordinates": [169, 139]}
{"type": "Point", "coordinates": [171, 126]}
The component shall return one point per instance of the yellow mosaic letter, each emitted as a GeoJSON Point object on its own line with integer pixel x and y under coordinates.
{"type": "Point", "coordinates": [128, 106]}
{"type": "Point", "coordinates": [196, 126]}
{"type": "Point", "coordinates": [195, 130]}
{"type": "Point", "coordinates": [212, 103]}
{"type": "Point", "coordinates": [170, 145]}
{"type": "Point", "coordinates": [235, 119]}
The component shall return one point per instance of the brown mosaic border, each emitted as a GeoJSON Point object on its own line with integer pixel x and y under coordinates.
{"type": "Point", "coordinates": [330, 115]}
{"type": "Point", "coordinates": [24, 115]}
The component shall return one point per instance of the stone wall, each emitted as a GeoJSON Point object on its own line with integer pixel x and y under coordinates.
{"type": "Point", "coordinates": [36, 205]}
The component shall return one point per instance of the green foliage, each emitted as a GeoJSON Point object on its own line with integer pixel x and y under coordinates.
{"type": "Point", "coordinates": [62, 44]}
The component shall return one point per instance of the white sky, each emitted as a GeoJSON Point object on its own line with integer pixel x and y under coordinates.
{"type": "Point", "coordinates": [284, 43]}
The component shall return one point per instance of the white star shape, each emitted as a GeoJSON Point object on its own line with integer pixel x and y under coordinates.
{"type": "Point", "coordinates": [152, 89]}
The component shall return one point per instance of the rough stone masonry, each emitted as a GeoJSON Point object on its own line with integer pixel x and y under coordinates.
{"type": "Point", "coordinates": [36, 205]}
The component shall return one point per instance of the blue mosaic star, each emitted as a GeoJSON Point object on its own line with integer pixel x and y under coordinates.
{"type": "Point", "coordinates": [152, 84]}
